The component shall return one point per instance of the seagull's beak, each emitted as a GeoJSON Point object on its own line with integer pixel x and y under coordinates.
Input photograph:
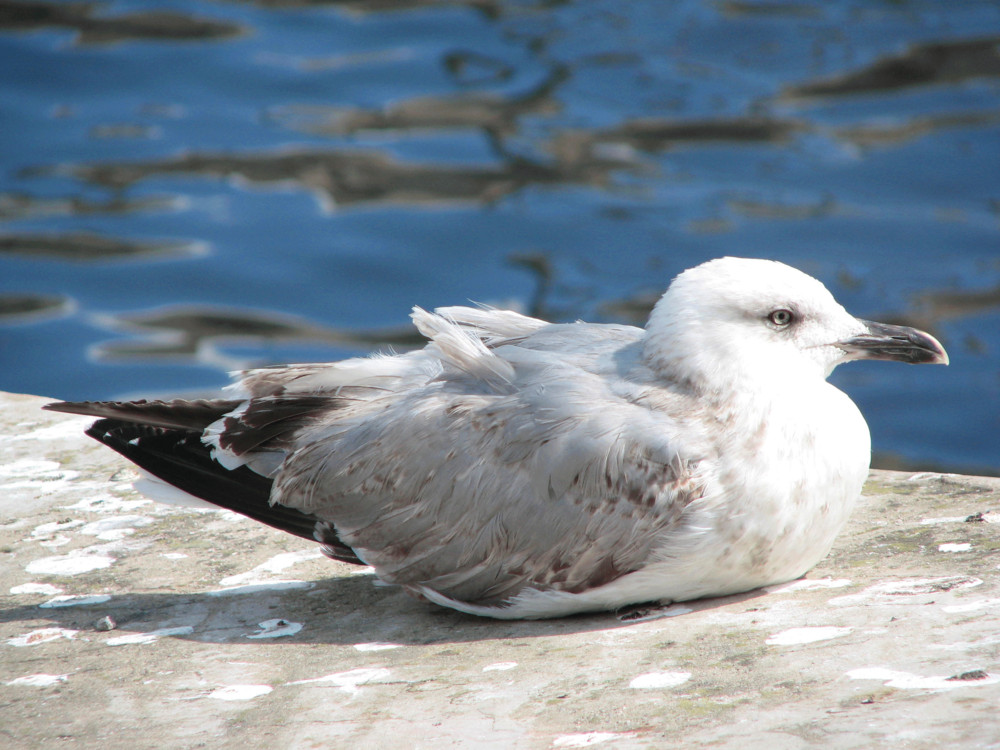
{"type": "Point", "coordinates": [897, 343]}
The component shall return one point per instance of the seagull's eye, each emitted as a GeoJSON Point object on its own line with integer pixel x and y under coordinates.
{"type": "Point", "coordinates": [781, 318]}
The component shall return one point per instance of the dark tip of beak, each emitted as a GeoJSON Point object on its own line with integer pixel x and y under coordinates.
{"type": "Point", "coordinates": [896, 343]}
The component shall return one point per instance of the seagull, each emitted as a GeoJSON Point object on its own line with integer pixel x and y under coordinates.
{"type": "Point", "coordinates": [517, 469]}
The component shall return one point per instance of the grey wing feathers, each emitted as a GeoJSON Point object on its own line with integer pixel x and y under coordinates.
{"type": "Point", "coordinates": [374, 376]}
{"type": "Point", "coordinates": [491, 325]}
{"type": "Point", "coordinates": [478, 486]}
{"type": "Point", "coordinates": [483, 520]}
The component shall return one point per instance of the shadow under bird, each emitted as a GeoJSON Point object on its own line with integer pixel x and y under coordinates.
{"type": "Point", "coordinates": [515, 468]}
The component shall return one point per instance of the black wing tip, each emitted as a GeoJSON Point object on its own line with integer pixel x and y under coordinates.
{"type": "Point", "coordinates": [190, 415]}
{"type": "Point", "coordinates": [180, 458]}
{"type": "Point", "coordinates": [102, 408]}
{"type": "Point", "coordinates": [72, 407]}
{"type": "Point", "coordinates": [172, 449]}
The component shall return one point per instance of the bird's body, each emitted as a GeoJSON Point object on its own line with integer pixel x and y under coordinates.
{"type": "Point", "coordinates": [518, 469]}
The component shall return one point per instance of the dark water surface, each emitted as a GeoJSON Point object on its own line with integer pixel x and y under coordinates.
{"type": "Point", "coordinates": [190, 187]}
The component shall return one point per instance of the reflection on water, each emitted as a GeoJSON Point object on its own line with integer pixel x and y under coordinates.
{"type": "Point", "coordinates": [782, 9]}
{"type": "Point", "coordinates": [84, 247]}
{"type": "Point", "coordinates": [570, 157]}
{"type": "Point", "coordinates": [27, 308]}
{"type": "Point", "coordinates": [97, 27]}
{"type": "Point", "coordinates": [492, 8]}
{"type": "Point", "coordinates": [657, 135]}
{"type": "Point", "coordinates": [123, 130]}
{"type": "Point", "coordinates": [758, 209]}
{"type": "Point", "coordinates": [951, 304]}
{"type": "Point", "coordinates": [194, 333]}
{"type": "Point", "coordinates": [880, 134]}
{"type": "Point", "coordinates": [920, 65]}
{"type": "Point", "coordinates": [342, 178]}
{"type": "Point", "coordinates": [493, 114]}
{"type": "Point", "coordinates": [25, 206]}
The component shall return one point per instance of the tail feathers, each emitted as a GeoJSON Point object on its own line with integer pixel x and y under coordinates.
{"type": "Point", "coordinates": [179, 414]}
{"type": "Point", "coordinates": [180, 458]}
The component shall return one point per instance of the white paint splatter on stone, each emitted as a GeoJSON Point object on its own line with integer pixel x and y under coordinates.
{"type": "Point", "coordinates": [39, 680]}
{"type": "Point", "coordinates": [376, 646]}
{"type": "Point", "coordinates": [46, 589]}
{"type": "Point", "coordinates": [500, 666]}
{"type": "Point", "coordinates": [989, 641]}
{"type": "Point", "coordinates": [652, 680]}
{"type": "Point", "coordinates": [895, 592]}
{"type": "Point", "coordinates": [276, 629]}
{"type": "Point", "coordinates": [985, 517]}
{"type": "Point", "coordinates": [276, 564]}
{"type": "Point", "coordinates": [240, 692]}
{"type": "Point", "coordinates": [45, 477]}
{"type": "Point", "coordinates": [31, 467]}
{"type": "Point", "coordinates": [50, 529]}
{"type": "Point", "coordinates": [75, 600]}
{"type": "Point", "coordinates": [116, 527]}
{"type": "Point", "coordinates": [349, 681]}
{"type": "Point", "coordinates": [942, 519]}
{"type": "Point", "coordinates": [72, 564]}
{"type": "Point", "coordinates": [972, 606]}
{"type": "Point", "coordinates": [71, 429]}
{"type": "Point", "coordinates": [56, 541]}
{"type": "Point", "coordinates": [105, 502]}
{"type": "Point", "coordinates": [255, 588]}
{"type": "Point", "coordinates": [955, 547]}
{"type": "Point", "coordinates": [797, 636]}
{"type": "Point", "coordinates": [806, 584]}
{"type": "Point", "coordinates": [150, 637]}
{"type": "Point", "coordinates": [43, 635]}
{"type": "Point", "coordinates": [908, 681]}
{"type": "Point", "coordinates": [588, 739]}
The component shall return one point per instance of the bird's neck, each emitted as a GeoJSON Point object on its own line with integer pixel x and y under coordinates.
{"type": "Point", "coordinates": [733, 372]}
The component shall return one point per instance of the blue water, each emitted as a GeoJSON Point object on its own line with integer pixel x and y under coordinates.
{"type": "Point", "coordinates": [283, 182]}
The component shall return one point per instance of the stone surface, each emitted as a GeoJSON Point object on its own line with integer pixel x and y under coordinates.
{"type": "Point", "coordinates": [129, 624]}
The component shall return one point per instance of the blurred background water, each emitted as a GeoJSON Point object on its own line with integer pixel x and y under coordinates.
{"type": "Point", "coordinates": [189, 187]}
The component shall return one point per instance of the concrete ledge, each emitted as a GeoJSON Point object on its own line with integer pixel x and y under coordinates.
{"type": "Point", "coordinates": [129, 624]}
